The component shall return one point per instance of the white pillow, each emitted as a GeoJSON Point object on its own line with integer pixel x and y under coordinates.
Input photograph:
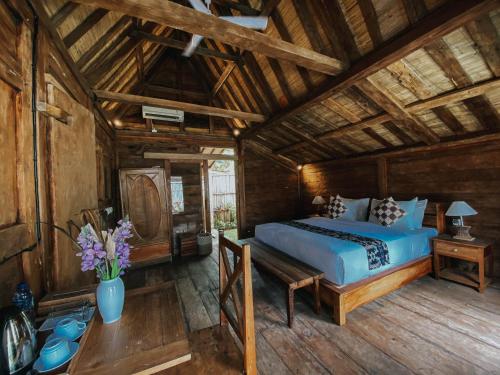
{"type": "Point", "coordinates": [357, 209]}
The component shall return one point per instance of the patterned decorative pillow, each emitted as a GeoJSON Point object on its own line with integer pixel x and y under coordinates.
{"type": "Point", "coordinates": [336, 208]}
{"type": "Point", "coordinates": [388, 212]}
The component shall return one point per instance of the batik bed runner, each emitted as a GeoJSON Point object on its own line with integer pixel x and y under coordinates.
{"type": "Point", "coordinates": [376, 250]}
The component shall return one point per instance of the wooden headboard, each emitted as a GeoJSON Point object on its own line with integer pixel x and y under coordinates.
{"type": "Point", "coordinates": [434, 216]}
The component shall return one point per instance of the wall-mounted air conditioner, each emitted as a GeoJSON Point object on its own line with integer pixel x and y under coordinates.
{"type": "Point", "coordinates": [163, 114]}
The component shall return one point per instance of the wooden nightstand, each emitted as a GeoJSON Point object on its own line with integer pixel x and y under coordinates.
{"type": "Point", "coordinates": [474, 251]}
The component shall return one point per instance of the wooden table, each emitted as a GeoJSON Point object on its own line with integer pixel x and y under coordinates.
{"type": "Point", "coordinates": [289, 270]}
{"type": "Point", "coordinates": [149, 338]}
{"type": "Point", "coordinates": [472, 251]}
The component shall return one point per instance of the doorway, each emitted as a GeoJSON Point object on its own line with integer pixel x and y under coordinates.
{"type": "Point", "coordinates": [222, 182]}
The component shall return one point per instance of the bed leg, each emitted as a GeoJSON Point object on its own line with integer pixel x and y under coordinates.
{"type": "Point", "coordinates": [338, 310]}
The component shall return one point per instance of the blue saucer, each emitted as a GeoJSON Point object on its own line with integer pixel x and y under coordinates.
{"type": "Point", "coordinates": [80, 333]}
{"type": "Point", "coordinates": [40, 367]}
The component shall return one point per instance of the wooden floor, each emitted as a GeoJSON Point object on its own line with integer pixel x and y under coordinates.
{"type": "Point", "coordinates": [427, 327]}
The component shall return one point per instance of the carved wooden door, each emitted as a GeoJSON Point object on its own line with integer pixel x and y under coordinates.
{"type": "Point", "coordinates": [143, 195]}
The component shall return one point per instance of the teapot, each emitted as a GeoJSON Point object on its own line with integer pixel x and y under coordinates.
{"type": "Point", "coordinates": [18, 341]}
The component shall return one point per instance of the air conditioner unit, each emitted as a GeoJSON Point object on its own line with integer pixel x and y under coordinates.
{"type": "Point", "coordinates": [164, 114]}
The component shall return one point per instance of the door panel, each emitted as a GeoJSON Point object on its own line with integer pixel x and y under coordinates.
{"type": "Point", "coordinates": [144, 199]}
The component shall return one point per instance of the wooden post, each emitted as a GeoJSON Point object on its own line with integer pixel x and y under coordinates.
{"type": "Point", "coordinates": [222, 278]}
{"type": "Point", "coordinates": [240, 190]}
{"type": "Point", "coordinates": [250, 361]}
{"type": "Point", "coordinates": [206, 182]}
{"type": "Point", "coordinates": [168, 189]}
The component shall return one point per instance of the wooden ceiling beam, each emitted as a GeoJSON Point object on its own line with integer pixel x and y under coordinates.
{"type": "Point", "coordinates": [435, 25]}
{"type": "Point", "coordinates": [177, 156]}
{"type": "Point", "coordinates": [386, 100]}
{"type": "Point", "coordinates": [189, 20]}
{"type": "Point", "coordinates": [484, 33]}
{"type": "Point", "coordinates": [91, 53]}
{"type": "Point", "coordinates": [268, 153]}
{"type": "Point", "coordinates": [79, 31]}
{"type": "Point", "coordinates": [207, 140]}
{"type": "Point", "coordinates": [187, 107]}
{"type": "Point", "coordinates": [63, 13]}
{"type": "Point", "coordinates": [180, 45]}
{"type": "Point", "coordinates": [173, 91]}
{"type": "Point", "coordinates": [223, 77]}
{"type": "Point", "coordinates": [454, 96]}
{"type": "Point", "coordinates": [479, 106]}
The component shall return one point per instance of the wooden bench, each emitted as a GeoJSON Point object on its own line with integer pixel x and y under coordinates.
{"type": "Point", "coordinates": [289, 270]}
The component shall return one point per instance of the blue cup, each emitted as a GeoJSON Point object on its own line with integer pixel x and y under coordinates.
{"type": "Point", "coordinates": [54, 352]}
{"type": "Point", "coordinates": [69, 328]}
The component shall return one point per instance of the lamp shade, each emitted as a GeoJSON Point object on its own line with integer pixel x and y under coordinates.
{"type": "Point", "coordinates": [460, 208]}
{"type": "Point", "coordinates": [318, 199]}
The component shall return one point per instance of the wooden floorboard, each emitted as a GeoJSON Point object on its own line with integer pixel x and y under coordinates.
{"type": "Point", "coordinates": [426, 327]}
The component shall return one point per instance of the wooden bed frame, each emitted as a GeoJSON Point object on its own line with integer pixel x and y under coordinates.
{"type": "Point", "coordinates": [346, 298]}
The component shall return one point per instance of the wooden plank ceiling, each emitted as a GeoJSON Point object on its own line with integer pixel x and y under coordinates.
{"type": "Point", "coordinates": [328, 78]}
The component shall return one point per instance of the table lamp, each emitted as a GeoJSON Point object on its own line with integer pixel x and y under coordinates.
{"type": "Point", "coordinates": [319, 201]}
{"type": "Point", "coordinates": [461, 209]}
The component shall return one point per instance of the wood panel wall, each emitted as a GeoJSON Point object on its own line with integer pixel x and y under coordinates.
{"type": "Point", "coordinates": [467, 172]}
{"type": "Point", "coordinates": [271, 192]}
{"type": "Point", "coordinates": [37, 266]}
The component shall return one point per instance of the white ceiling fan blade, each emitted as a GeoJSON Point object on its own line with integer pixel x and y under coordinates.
{"type": "Point", "coordinates": [259, 23]}
{"type": "Point", "coordinates": [193, 44]}
{"type": "Point", "coordinates": [199, 6]}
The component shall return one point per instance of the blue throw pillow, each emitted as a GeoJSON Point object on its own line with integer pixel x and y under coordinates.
{"type": "Point", "coordinates": [418, 215]}
{"type": "Point", "coordinates": [406, 222]}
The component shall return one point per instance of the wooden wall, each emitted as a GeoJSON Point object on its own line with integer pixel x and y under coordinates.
{"type": "Point", "coordinates": [39, 266]}
{"type": "Point", "coordinates": [270, 192]}
{"type": "Point", "coordinates": [463, 172]}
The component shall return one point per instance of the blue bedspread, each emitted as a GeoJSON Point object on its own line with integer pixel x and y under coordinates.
{"type": "Point", "coordinates": [345, 262]}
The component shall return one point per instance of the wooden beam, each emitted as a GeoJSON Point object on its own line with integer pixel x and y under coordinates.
{"type": "Point", "coordinates": [63, 13]}
{"type": "Point", "coordinates": [267, 153]}
{"type": "Point", "coordinates": [97, 47]}
{"type": "Point", "coordinates": [84, 27]}
{"type": "Point", "coordinates": [180, 45]}
{"type": "Point", "coordinates": [173, 91]}
{"type": "Point", "coordinates": [54, 35]}
{"type": "Point", "coordinates": [187, 107]}
{"type": "Point", "coordinates": [386, 100]}
{"type": "Point", "coordinates": [454, 96]}
{"type": "Point", "coordinates": [365, 123]}
{"type": "Point", "coordinates": [435, 25]}
{"type": "Point", "coordinates": [177, 156]}
{"type": "Point", "coordinates": [223, 78]}
{"type": "Point", "coordinates": [189, 20]}
{"type": "Point", "coordinates": [207, 140]}
{"type": "Point", "coordinates": [54, 112]}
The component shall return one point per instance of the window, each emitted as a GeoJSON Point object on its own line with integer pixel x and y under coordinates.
{"type": "Point", "coordinates": [177, 194]}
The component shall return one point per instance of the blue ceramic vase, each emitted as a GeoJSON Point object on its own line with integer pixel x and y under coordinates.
{"type": "Point", "coordinates": [110, 299]}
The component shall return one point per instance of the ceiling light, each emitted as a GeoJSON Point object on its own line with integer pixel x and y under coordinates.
{"type": "Point", "coordinates": [117, 122]}
{"type": "Point", "coordinates": [236, 132]}
{"type": "Point", "coordinates": [299, 167]}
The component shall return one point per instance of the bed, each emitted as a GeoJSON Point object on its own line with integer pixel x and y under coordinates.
{"type": "Point", "coordinates": [349, 282]}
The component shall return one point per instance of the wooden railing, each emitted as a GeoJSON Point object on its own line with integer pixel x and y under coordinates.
{"type": "Point", "coordinates": [240, 316]}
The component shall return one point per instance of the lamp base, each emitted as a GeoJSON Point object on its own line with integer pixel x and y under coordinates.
{"type": "Point", "coordinates": [462, 233]}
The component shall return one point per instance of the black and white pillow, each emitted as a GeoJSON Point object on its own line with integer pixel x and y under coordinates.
{"type": "Point", "coordinates": [336, 208]}
{"type": "Point", "coordinates": [388, 212]}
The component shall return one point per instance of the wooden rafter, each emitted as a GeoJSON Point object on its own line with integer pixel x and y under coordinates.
{"type": "Point", "coordinates": [180, 45]}
{"type": "Point", "coordinates": [435, 25]}
{"type": "Point", "coordinates": [189, 20]}
{"type": "Point", "coordinates": [84, 27]}
{"type": "Point", "coordinates": [63, 13]}
{"type": "Point", "coordinates": [223, 77]}
{"type": "Point", "coordinates": [187, 107]}
{"type": "Point", "coordinates": [93, 51]}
